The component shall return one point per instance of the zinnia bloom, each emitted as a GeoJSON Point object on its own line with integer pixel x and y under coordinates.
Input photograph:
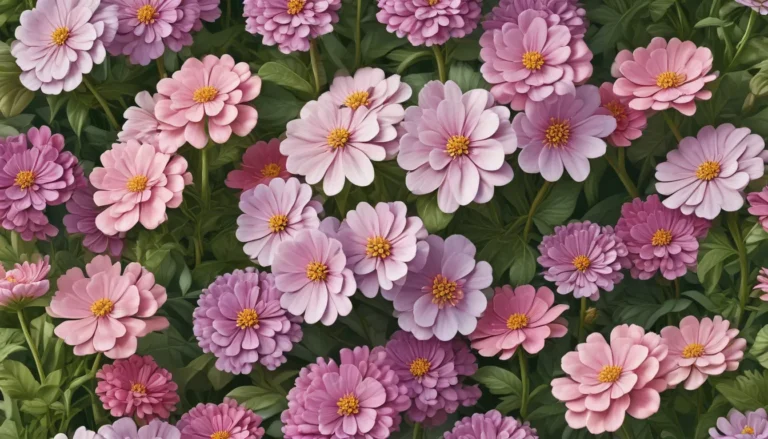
{"type": "Point", "coordinates": [564, 132]}
{"type": "Point", "coordinates": [629, 123]}
{"type": "Point", "coordinates": [709, 172]}
{"type": "Point", "coordinates": [520, 317]}
{"type": "Point", "coordinates": [72, 174]}
{"type": "Point", "coordinates": [240, 320]}
{"type": "Point", "coordinates": [81, 433]}
{"type": "Point", "coordinates": [81, 218]}
{"type": "Point", "coordinates": [126, 428]}
{"type": "Point", "coordinates": [226, 420]}
{"type": "Point", "coordinates": [272, 214]}
{"type": "Point", "coordinates": [24, 283]}
{"type": "Point", "coordinates": [762, 283]}
{"type": "Point", "coordinates": [311, 271]}
{"type": "Point", "coordinates": [605, 381]}
{"type": "Point", "coordinates": [107, 311]}
{"type": "Point", "coordinates": [433, 371]}
{"type": "Point", "coordinates": [137, 183]}
{"type": "Point", "coordinates": [428, 22]}
{"type": "Point", "coordinates": [360, 397]}
{"type": "Point", "coordinates": [664, 75]}
{"type": "Point", "coordinates": [758, 206]}
{"type": "Point", "coordinates": [659, 238]}
{"type": "Point", "coordinates": [566, 12]}
{"type": "Point", "coordinates": [491, 425]}
{"type": "Point", "coordinates": [583, 258]}
{"type": "Point", "coordinates": [456, 144]}
{"type": "Point", "coordinates": [213, 94]}
{"type": "Point", "coordinates": [753, 425]}
{"type": "Point", "coordinates": [142, 125]}
{"type": "Point", "coordinates": [136, 386]}
{"type": "Point", "coordinates": [441, 296]}
{"type": "Point", "coordinates": [59, 42]}
{"type": "Point", "coordinates": [290, 24]}
{"type": "Point", "coordinates": [531, 60]}
{"type": "Point", "coordinates": [262, 162]}
{"type": "Point", "coordinates": [701, 349]}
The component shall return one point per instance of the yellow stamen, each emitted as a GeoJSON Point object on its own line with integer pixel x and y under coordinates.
{"type": "Point", "coordinates": [137, 183]}
{"type": "Point", "coordinates": [433, 2]}
{"type": "Point", "coordinates": [338, 138]}
{"type": "Point", "coordinates": [11, 279]}
{"type": "Point", "coordinates": [295, 6]}
{"type": "Point", "coordinates": [558, 133]}
{"type": "Point", "coordinates": [670, 79]}
{"type": "Point", "coordinates": [708, 170]}
{"type": "Point", "coordinates": [317, 271]}
{"type": "Point", "coordinates": [457, 146]}
{"type": "Point", "coordinates": [747, 430]}
{"type": "Point", "coordinates": [139, 388]}
{"type": "Point", "coordinates": [533, 60]}
{"type": "Point", "coordinates": [221, 435]}
{"type": "Point", "coordinates": [205, 94]}
{"type": "Point", "coordinates": [60, 36]}
{"type": "Point", "coordinates": [102, 307]}
{"type": "Point", "coordinates": [247, 318]}
{"type": "Point", "coordinates": [445, 292]}
{"type": "Point", "coordinates": [271, 170]}
{"type": "Point", "coordinates": [420, 367]}
{"type": "Point", "coordinates": [693, 350]}
{"type": "Point", "coordinates": [378, 247]}
{"type": "Point", "coordinates": [24, 179]}
{"type": "Point", "coordinates": [661, 238]}
{"type": "Point", "coordinates": [609, 374]}
{"type": "Point", "coordinates": [278, 223]}
{"type": "Point", "coordinates": [617, 109]}
{"type": "Point", "coordinates": [517, 321]}
{"type": "Point", "coordinates": [146, 14]}
{"type": "Point", "coordinates": [357, 99]}
{"type": "Point", "coordinates": [348, 405]}
{"type": "Point", "coordinates": [581, 263]}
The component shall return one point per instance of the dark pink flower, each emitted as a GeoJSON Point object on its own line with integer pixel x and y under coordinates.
{"type": "Point", "coordinates": [81, 218]}
{"type": "Point", "coordinates": [630, 123]}
{"type": "Point", "coordinates": [429, 22]}
{"type": "Point", "coordinates": [565, 12]}
{"type": "Point", "coordinates": [261, 163]}
{"type": "Point", "coordinates": [227, 420]}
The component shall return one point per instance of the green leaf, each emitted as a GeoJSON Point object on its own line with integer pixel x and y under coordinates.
{"type": "Point", "coordinates": [712, 21]}
{"type": "Point", "coordinates": [256, 398]}
{"type": "Point", "coordinates": [377, 42]}
{"type": "Point", "coordinates": [11, 340]}
{"type": "Point", "coordinates": [659, 8]}
{"type": "Point", "coordinates": [466, 77]}
{"type": "Point", "coordinates": [523, 263]}
{"type": "Point", "coordinates": [758, 85]}
{"type": "Point", "coordinates": [671, 305]}
{"type": "Point", "coordinates": [218, 378]}
{"type": "Point", "coordinates": [17, 381]}
{"type": "Point", "coordinates": [759, 348]}
{"type": "Point", "coordinates": [281, 75]}
{"type": "Point", "coordinates": [14, 97]}
{"type": "Point", "coordinates": [185, 280]}
{"type": "Point", "coordinates": [434, 219]}
{"type": "Point", "coordinates": [557, 207]}
{"type": "Point", "coordinates": [499, 381]}
{"type": "Point", "coordinates": [77, 113]}
{"type": "Point", "coordinates": [746, 392]}
{"type": "Point", "coordinates": [702, 300]}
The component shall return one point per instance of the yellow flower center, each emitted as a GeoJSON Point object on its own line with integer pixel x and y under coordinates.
{"type": "Point", "coordinates": [433, 2]}
{"type": "Point", "coordinates": [146, 14]}
{"type": "Point", "coordinates": [60, 36]}
{"type": "Point", "coordinates": [590, 316]}
{"type": "Point", "coordinates": [748, 430]}
{"type": "Point", "coordinates": [247, 318]}
{"type": "Point", "coordinates": [348, 405]}
{"type": "Point", "coordinates": [517, 321]}
{"type": "Point", "coordinates": [278, 223]}
{"type": "Point", "coordinates": [708, 170]}
{"type": "Point", "coordinates": [139, 388]}
{"type": "Point", "coordinates": [457, 146]}
{"type": "Point", "coordinates": [25, 179]}
{"type": "Point", "coordinates": [533, 60]}
{"type": "Point", "coordinates": [295, 6]}
{"type": "Point", "coordinates": [618, 110]}
{"type": "Point", "coordinates": [221, 434]}
{"type": "Point", "coordinates": [137, 183]}
{"type": "Point", "coordinates": [378, 247]}
{"type": "Point", "coordinates": [357, 99]}
{"type": "Point", "coordinates": [102, 307]}
{"type": "Point", "coordinates": [271, 170]}
{"type": "Point", "coordinates": [693, 350]}
{"type": "Point", "coordinates": [445, 291]}
{"type": "Point", "coordinates": [581, 263]}
{"type": "Point", "coordinates": [205, 94]}
{"type": "Point", "coordinates": [11, 279]}
{"type": "Point", "coordinates": [338, 138]}
{"type": "Point", "coordinates": [609, 374]}
{"type": "Point", "coordinates": [420, 367]}
{"type": "Point", "coordinates": [670, 79]}
{"type": "Point", "coordinates": [317, 271]}
{"type": "Point", "coordinates": [661, 238]}
{"type": "Point", "coordinates": [557, 133]}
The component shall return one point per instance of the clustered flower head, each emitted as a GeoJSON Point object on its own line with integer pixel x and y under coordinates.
{"type": "Point", "coordinates": [81, 218]}
{"type": "Point", "coordinates": [126, 428]}
{"type": "Point", "coordinates": [491, 425]}
{"type": "Point", "coordinates": [750, 425]}
{"type": "Point", "coordinates": [566, 12]}
{"type": "Point", "coordinates": [225, 420]}
{"type": "Point", "coordinates": [429, 22]}
{"type": "Point", "coordinates": [290, 24]}
{"type": "Point", "coordinates": [262, 162]}
{"type": "Point", "coordinates": [23, 283]}
{"type": "Point", "coordinates": [630, 123]}
{"type": "Point", "coordinates": [758, 206]}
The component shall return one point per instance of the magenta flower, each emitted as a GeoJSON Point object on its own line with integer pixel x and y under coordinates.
{"type": "Point", "coordinates": [226, 420]}
{"type": "Point", "coordinates": [491, 425]}
{"type": "Point", "coordinates": [532, 60]}
{"type": "Point", "coordinates": [456, 144]}
{"type": "Point", "coordinates": [441, 295]}
{"type": "Point", "coordinates": [311, 271]}
{"type": "Point", "coordinates": [358, 398]}
{"type": "Point", "coordinates": [261, 163]}
{"type": "Point", "coordinates": [137, 183]}
{"type": "Point", "coordinates": [433, 371]}
{"type": "Point", "coordinates": [428, 22]}
{"type": "Point", "coordinates": [606, 381]}
{"type": "Point", "coordinates": [142, 125]}
{"type": "Point", "coordinates": [126, 428]}
{"type": "Point", "coordinates": [753, 425]}
{"type": "Point", "coordinates": [709, 172]}
{"type": "Point", "coordinates": [629, 123]}
{"type": "Point", "coordinates": [664, 75]}
{"type": "Point", "coordinates": [659, 238]}
{"type": "Point", "coordinates": [701, 349]}
{"type": "Point", "coordinates": [762, 283]}
{"type": "Point", "coordinates": [564, 132]}
{"type": "Point", "coordinates": [72, 175]}
{"type": "Point", "coordinates": [23, 283]}
{"type": "Point", "coordinates": [521, 317]}
{"type": "Point", "coordinates": [81, 218]}
{"type": "Point", "coordinates": [566, 12]}
{"type": "Point", "coordinates": [758, 206]}
{"type": "Point", "coordinates": [57, 43]}
{"type": "Point", "coordinates": [583, 258]}
{"type": "Point", "coordinates": [272, 214]}
{"type": "Point", "coordinates": [107, 311]}
{"type": "Point", "coordinates": [213, 94]}
{"type": "Point", "coordinates": [290, 24]}
{"type": "Point", "coordinates": [136, 386]}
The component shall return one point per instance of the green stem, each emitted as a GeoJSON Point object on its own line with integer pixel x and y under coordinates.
{"type": "Point", "coordinates": [733, 226]}
{"type": "Point", "coordinates": [102, 102]}
{"type": "Point", "coordinates": [15, 242]}
{"type": "Point", "coordinates": [418, 432]}
{"type": "Point", "coordinates": [205, 190]}
{"type": "Point", "coordinates": [31, 344]}
{"type": "Point", "coordinates": [440, 61]}
{"type": "Point", "coordinates": [744, 39]}
{"type": "Point", "coordinates": [410, 60]}
{"type": "Point", "coordinates": [582, 318]}
{"type": "Point", "coordinates": [543, 190]}
{"type": "Point", "coordinates": [96, 364]}
{"type": "Point", "coordinates": [672, 126]}
{"type": "Point", "coordinates": [526, 382]}
{"type": "Point", "coordinates": [358, 47]}
{"type": "Point", "coordinates": [161, 68]}
{"type": "Point", "coordinates": [621, 171]}
{"type": "Point", "coordinates": [314, 59]}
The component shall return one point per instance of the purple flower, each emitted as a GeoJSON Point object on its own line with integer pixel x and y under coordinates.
{"type": "Point", "coordinates": [81, 218]}
{"type": "Point", "coordinates": [290, 24]}
{"type": "Point", "coordinates": [491, 425]}
{"type": "Point", "coordinates": [566, 12]}
{"type": "Point", "coordinates": [752, 425]}
{"type": "Point", "coordinates": [428, 22]}
{"type": "Point", "coordinates": [226, 420]}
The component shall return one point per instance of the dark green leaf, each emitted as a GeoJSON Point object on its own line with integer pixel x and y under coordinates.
{"type": "Point", "coordinates": [498, 381]}
{"type": "Point", "coordinates": [429, 212]}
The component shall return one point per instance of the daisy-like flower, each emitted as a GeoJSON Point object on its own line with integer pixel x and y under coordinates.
{"type": "Point", "coordinates": [428, 22]}
{"type": "Point", "coordinates": [290, 24]}
{"type": "Point", "coordinates": [752, 425]}
{"type": "Point", "coordinates": [262, 162]}
{"type": "Point", "coordinates": [23, 283]}
{"type": "Point", "coordinates": [566, 12]}
{"type": "Point", "coordinates": [126, 428]}
{"type": "Point", "coordinates": [81, 218]}
{"type": "Point", "coordinates": [456, 144]}
{"type": "Point", "coordinates": [137, 386]}
{"type": "Point", "coordinates": [81, 433]}
{"type": "Point", "coordinates": [700, 349]}
{"type": "Point", "coordinates": [708, 173]}
{"type": "Point", "coordinates": [520, 317]}
{"type": "Point", "coordinates": [491, 425]}
{"type": "Point", "coordinates": [758, 206]}
{"type": "Point", "coordinates": [228, 420]}
{"type": "Point", "coordinates": [762, 283]}
{"type": "Point", "coordinates": [629, 123]}
{"type": "Point", "coordinates": [664, 75]}
{"type": "Point", "coordinates": [583, 258]}
{"type": "Point", "coordinates": [564, 132]}
{"type": "Point", "coordinates": [272, 214]}
{"type": "Point", "coordinates": [142, 125]}
{"type": "Point", "coordinates": [207, 98]}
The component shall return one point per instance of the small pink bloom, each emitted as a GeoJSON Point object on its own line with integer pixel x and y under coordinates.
{"type": "Point", "coordinates": [491, 425]}
{"type": "Point", "coordinates": [25, 282]}
{"type": "Point", "coordinates": [81, 218]}
{"type": "Point", "coordinates": [735, 425]}
{"type": "Point", "coordinates": [429, 22]}
{"type": "Point", "coordinates": [758, 206]}
{"type": "Point", "coordinates": [126, 428]}
{"type": "Point", "coordinates": [290, 24]}
{"type": "Point", "coordinates": [81, 433]}
{"type": "Point", "coordinates": [762, 283]}
{"type": "Point", "coordinates": [759, 6]}
{"type": "Point", "coordinates": [261, 163]}
{"type": "Point", "coordinates": [566, 12]}
{"type": "Point", "coordinates": [629, 123]}
{"type": "Point", "coordinates": [141, 123]}
{"type": "Point", "coordinates": [228, 419]}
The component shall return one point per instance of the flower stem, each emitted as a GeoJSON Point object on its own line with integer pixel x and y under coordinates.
{"type": "Point", "coordinates": [314, 59]}
{"type": "Point", "coordinates": [205, 190]}
{"type": "Point", "coordinates": [672, 126]}
{"type": "Point", "coordinates": [15, 242]}
{"type": "Point", "coordinates": [733, 226]}
{"type": "Point", "coordinates": [161, 68]}
{"type": "Point", "coordinates": [440, 60]}
{"type": "Point", "coordinates": [103, 103]}
{"type": "Point", "coordinates": [525, 381]}
{"type": "Point", "coordinates": [96, 364]}
{"type": "Point", "coordinates": [582, 318]}
{"type": "Point", "coordinates": [358, 48]}
{"type": "Point", "coordinates": [621, 171]}
{"type": "Point", "coordinates": [744, 39]}
{"type": "Point", "coordinates": [535, 205]}
{"type": "Point", "coordinates": [31, 344]}
{"type": "Point", "coordinates": [418, 432]}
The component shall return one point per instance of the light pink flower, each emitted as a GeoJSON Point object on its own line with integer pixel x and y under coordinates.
{"type": "Point", "coordinates": [81, 433]}
{"type": "Point", "coordinates": [758, 206]}
{"type": "Point", "coordinates": [762, 283]}
{"type": "Point", "coordinates": [126, 428]}
{"type": "Point", "coordinates": [491, 425]}
{"type": "Point", "coordinates": [81, 218]}
{"type": "Point", "coordinates": [629, 123]}
{"type": "Point", "coordinates": [428, 22]}
{"type": "Point", "coordinates": [566, 12]}
{"type": "Point", "coordinates": [226, 420]}
{"type": "Point", "coordinates": [24, 283]}
{"type": "Point", "coordinates": [142, 125]}
{"type": "Point", "coordinates": [290, 24]}
{"type": "Point", "coordinates": [759, 6]}
{"type": "Point", "coordinates": [261, 163]}
{"type": "Point", "coordinates": [709, 172]}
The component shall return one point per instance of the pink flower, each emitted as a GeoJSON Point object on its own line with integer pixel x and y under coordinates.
{"type": "Point", "coordinates": [290, 24]}
{"type": "Point", "coordinates": [59, 42]}
{"type": "Point", "coordinates": [701, 349]}
{"type": "Point", "coordinates": [441, 296]}
{"type": "Point", "coordinates": [762, 283]}
{"type": "Point", "coordinates": [517, 317]}
{"type": "Point", "coordinates": [531, 60]}
{"type": "Point", "coordinates": [107, 311]}
{"type": "Point", "coordinates": [272, 214]}
{"type": "Point", "coordinates": [142, 125]}
{"type": "Point", "coordinates": [760, 7]}
{"type": "Point", "coordinates": [583, 258]}
{"type": "Point", "coordinates": [137, 386]}
{"type": "Point", "coordinates": [81, 218]}
{"type": "Point", "coordinates": [81, 433]}
{"type": "Point", "coordinates": [126, 428]}
{"type": "Point", "coordinates": [563, 133]}
{"type": "Point", "coordinates": [261, 163]}
{"type": "Point", "coordinates": [24, 283]}
{"type": "Point", "coordinates": [605, 381]}
{"type": "Point", "coordinates": [566, 12]}
{"type": "Point", "coordinates": [664, 75]}
{"type": "Point", "coordinates": [752, 425]}
{"type": "Point", "coordinates": [72, 176]}
{"type": "Point", "coordinates": [709, 172]}
{"type": "Point", "coordinates": [137, 183]}
{"type": "Point", "coordinates": [629, 123]}
{"type": "Point", "coordinates": [456, 144]}
{"type": "Point", "coordinates": [209, 12]}
{"type": "Point", "coordinates": [226, 420]}
{"type": "Point", "coordinates": [491, 425]}
{"type": "Point", "coordinates": [428, 22]}
{"type": "Point", "coordinates": [758, 206]}
{"type": "Point", "coordinates": [213, 94]}
{"type": "Point", "coordinates": [659, 238]}
{"type": "Point", "coordinates": [360, 397]}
